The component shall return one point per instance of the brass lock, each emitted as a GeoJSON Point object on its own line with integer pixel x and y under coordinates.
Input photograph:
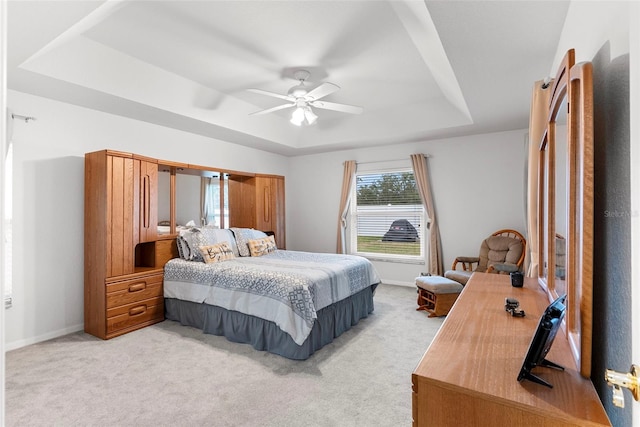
{"type": "Point", "coordinates": [619, 380]}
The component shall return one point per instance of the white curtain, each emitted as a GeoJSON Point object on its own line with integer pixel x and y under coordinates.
{"type": "Point", "coordinates": [206, 201]}
{"type": "Point", "coordinates": [347, 182]}
{"type": "Point", "coordinates": [421, 174]}
{"type": "Point", "coordinates": [538, 118]}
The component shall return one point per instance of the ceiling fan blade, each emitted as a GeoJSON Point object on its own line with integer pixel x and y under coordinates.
{"type": "Point", "coordinates": [273, 94]}
{"type": "Point", "coordinates": [323, 90]}
{"type": "Point", "coordinates": [271, 110]}
{"type": "Point", "coordinates": [352, 109]}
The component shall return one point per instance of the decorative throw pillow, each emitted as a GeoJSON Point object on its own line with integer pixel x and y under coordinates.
{"type": "Point", "coordinates": [192, 240]}
{"type": "Point", "coordinates": [181, 245]}
{"type": "Point", "coordinates": [259, 247]}
{"type": "Point", "coordinates": [243, 235]}
{"type": "Point", "coordinates": [217, 252]}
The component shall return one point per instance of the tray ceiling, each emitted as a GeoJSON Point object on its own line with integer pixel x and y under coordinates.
{"type": "Point", "coordinates": [420, 70]}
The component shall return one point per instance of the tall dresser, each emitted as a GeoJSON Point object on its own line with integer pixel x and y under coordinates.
{"type": "Point", "coordinates": [123, 256]}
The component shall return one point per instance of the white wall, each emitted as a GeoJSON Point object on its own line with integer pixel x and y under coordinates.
{"type": "Point", "coordinates": [49, 200]}
{"type": "Point", "coordinates": [477, 183]}
{"type": "Point", "coordinates": [589, 26]}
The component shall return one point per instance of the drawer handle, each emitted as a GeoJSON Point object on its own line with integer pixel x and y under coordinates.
{"type": "Point", "coordinates": [137, 310]}
{"type": "Point", "coordinates": [137, 287]}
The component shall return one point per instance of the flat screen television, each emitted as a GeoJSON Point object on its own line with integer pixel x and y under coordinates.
{"type": "Point", "coordinates": [542, 340]}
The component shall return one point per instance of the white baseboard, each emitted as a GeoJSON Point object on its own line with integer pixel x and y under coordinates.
{"type": "Point", "coordinates": [44, 337]}
{"type": "Point", "coordinates": [399, 283]}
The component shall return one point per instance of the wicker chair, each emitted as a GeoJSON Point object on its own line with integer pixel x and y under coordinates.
{"type": "Point", "coordinates": [502, 252]}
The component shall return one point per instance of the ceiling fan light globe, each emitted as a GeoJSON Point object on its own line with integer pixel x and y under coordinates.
{"type": "Point", "coordinates": [297, 117]}
{"type": "Point", "coordinates": [310, 115]}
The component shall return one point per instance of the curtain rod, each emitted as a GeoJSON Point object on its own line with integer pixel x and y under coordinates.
{"type": "Point", "coordinates": [25, 118]}
{"type": "Point", "coordinates": [390, 160]}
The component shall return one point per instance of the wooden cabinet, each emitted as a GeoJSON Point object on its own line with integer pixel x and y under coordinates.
{"type": "Point", "coordinates": [468, 376]}
{"type": "Point", "coordinates": [120, 226]}
{"type": "Point", "coordinates": [258, 202]}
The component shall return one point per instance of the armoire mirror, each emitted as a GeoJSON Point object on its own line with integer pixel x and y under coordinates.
{"type": "Point", "coordinates": [565, 208]}
{"type": "Point", "coordinates": [182, 190]}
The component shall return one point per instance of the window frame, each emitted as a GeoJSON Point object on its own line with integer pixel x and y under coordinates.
{"type": "Point", "coordinates": [352, 245]}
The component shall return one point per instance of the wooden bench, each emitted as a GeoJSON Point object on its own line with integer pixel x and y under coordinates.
{"type": "Point", "coordinates": [436, 294]}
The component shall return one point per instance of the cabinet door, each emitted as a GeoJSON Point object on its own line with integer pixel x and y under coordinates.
{"type": "Point", "coordinates": [264, 205]}
{"type": "Point", "coordinates": [270, 207]}
{"type": "Point", "coordinates": [120, 216]}
{"type": "Point", "coordinates": [148, 201]}
{"type": "Point", "coordinates": [242, 201]}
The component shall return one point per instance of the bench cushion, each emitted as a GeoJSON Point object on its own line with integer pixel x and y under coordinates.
{"type": "Point", "coordinates": [438, 285]}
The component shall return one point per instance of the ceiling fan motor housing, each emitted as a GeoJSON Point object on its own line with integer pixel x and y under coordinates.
{"type": "Point", "coordinates": [298, 91]}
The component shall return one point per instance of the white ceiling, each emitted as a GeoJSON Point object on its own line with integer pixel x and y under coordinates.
{"type": "Point", "coordinates": [421, 70]}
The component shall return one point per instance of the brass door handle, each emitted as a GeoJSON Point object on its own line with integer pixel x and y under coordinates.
{"type": "Point", "coordinates": [619, 381]}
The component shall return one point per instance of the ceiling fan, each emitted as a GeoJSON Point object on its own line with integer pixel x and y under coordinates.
{"type": "Point", "coordinates": [303, 99]}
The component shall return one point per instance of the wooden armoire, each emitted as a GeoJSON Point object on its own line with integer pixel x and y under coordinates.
{"type": "Point", "coordinates": [124, 255]}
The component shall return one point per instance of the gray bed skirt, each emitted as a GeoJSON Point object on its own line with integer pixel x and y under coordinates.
{"type": "Point", "coordinates": [262, 334]}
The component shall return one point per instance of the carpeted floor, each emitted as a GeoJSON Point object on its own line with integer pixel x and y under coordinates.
{"type": "Point", "coordinates": [168, 374]}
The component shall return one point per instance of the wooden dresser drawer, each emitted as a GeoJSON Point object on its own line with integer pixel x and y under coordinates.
{"type": "Point", "coordinates": [130, 316]}
{"type": "Point", "coordinates": [132, 290]}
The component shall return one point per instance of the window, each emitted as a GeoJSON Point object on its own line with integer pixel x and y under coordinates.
{"type": "Point", "coordinates": [387, 216]}
{"type": "Point", "coordinates": [7, 217]}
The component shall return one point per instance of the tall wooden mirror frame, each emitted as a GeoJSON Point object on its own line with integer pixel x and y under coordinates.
{"type": "Point", "coordinates": [573, 83]}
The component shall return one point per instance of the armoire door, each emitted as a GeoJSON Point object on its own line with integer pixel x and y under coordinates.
{"type": "Point", "coordinates": [270, 207]}
{"type": "Point", "coordinates": [120, 216]}
{"type": "Point", "coordinates": [147, 200]}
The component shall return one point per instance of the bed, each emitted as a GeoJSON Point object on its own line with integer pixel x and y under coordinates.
{"type": "Point", "coordinates": [289, 303]}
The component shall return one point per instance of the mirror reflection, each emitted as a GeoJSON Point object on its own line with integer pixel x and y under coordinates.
{"type": "Point", "coordinates": [561, 200]}
{"type": "Point", "coordinates": [199, 197]}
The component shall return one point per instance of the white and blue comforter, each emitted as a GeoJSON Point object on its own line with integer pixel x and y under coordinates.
{"type": "Point", "coordinates": [285, 287]}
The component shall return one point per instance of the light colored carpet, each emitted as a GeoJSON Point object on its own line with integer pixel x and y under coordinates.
{"type": "Point", "coordinates": [168, 374]}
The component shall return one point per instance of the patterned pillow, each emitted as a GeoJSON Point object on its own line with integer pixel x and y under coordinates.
{"type": "Point", "coordinates": [192, 240]}
{"type": "Point", "coordinates": [259, 247]}
{"type": "Point", "coordinates": [243, 235]}
{"type": "Point", "coordinates": [216, 253]}
{"type": "Point", "coordinates": [181, 245]}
